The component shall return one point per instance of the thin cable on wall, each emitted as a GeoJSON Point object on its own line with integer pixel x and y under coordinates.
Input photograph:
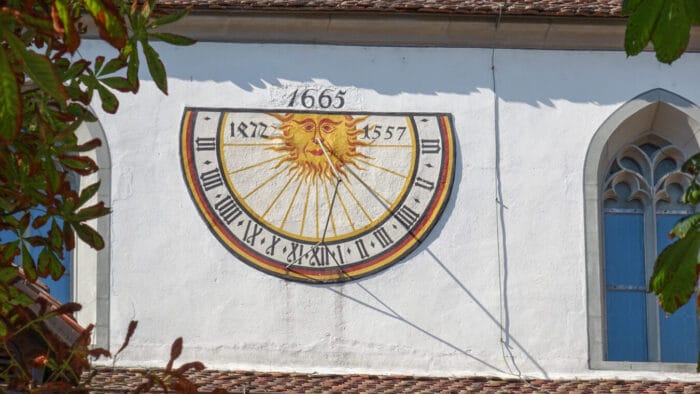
{"type": "Point", "coordinates": [504, 338]}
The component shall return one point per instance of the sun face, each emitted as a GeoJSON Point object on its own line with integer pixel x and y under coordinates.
{"type": "Point", "coordinates": [305, 137]}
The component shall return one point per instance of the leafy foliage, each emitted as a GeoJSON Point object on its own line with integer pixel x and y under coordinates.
{"type": "Point", "coordinates": [171, 379]}
{"type": "Point", "coordinates": [168, 380]}
{"type": "Point", "coordinates": [46, 88]}
{"type": "Point", "coordinates": [676, 269]}
{"type": "Point", "coordinates": [666, 23]}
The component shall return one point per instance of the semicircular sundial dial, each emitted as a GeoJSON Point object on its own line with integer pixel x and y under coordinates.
{"type": "Point", "coordinates": [318, 197]}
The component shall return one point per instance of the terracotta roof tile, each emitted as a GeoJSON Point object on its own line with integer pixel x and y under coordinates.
{"type": "Point", "coordinates": [66, 329]}
{"type": "Point", "coordinates": [569, 8]}
{"type": "Point", "coordinates": [120, 380]}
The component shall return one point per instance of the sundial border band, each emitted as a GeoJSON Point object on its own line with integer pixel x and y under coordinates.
{"type": "Point", "coordinates": [378, 262]}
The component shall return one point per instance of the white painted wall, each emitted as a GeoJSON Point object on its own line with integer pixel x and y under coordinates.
{"type": "Point", "coordinates": [444, 310]}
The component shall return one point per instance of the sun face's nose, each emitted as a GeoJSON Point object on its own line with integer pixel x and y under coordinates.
{"type": "Point", "coordinates": [318, 136]}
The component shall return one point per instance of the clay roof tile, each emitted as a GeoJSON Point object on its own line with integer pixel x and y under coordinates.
{"type": "Point", "coordinates": [546, 8]}
{"type": "Point", "coordinates": [121, 380]}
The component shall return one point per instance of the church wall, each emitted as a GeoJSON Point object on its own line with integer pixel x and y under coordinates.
{"type": "Point", "coordinates": [498, 286]}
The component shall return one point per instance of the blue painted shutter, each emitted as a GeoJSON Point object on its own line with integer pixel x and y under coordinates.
{"type": "Point", "coordinates": [679, 331]}
{"type": "Point", "coordinates": [625, 287]}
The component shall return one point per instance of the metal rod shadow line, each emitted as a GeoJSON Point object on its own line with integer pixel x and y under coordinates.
{"type": "Point", "coordinates": [330, 212]}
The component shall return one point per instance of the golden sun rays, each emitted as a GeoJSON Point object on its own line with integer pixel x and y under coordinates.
{"type": "Point", "coordinates": [305, 137]}
{"type": "Point", "coordinates": [309, 178]}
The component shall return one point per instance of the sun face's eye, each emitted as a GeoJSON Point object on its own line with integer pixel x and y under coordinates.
{"type": "Point", "coordinates": [327, 128]}
{"type": "Point", "coordinates": [308, 127]}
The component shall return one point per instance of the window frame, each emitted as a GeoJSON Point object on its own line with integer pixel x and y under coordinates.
{"type": "Point", "coordinates": [653, 207]}
{"type": "Point", "coordinates": [90, 285]}
{"type": "Point", "coordinates": [672, 118]}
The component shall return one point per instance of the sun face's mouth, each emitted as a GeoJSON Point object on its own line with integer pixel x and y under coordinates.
{"type": "Point", "coordinates": [302, 135]}
{"type": "Point", "coordinates": [315, 152]}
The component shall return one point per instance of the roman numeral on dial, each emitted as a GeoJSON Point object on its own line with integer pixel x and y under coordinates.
{"type": "Point", "coordinates": [205, 143]}
{"type": "Point", "coordinates": [406, 216]}
{"type": "Point", "coordinates": [429, 146]}
{"type": "Point", "coordinates": [383, 237]}
{"type": "Point", "coordinates": [211, 179]}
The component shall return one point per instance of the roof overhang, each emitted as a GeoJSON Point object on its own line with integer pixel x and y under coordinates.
{"type": "Point", "coordinates": [404, 29]}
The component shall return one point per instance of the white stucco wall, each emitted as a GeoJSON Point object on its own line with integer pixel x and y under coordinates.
{"type": "Point", "coordinates": [447, 307]}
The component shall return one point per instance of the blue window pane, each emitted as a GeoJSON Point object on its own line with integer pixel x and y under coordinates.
{"type": "Point", "coordinates": [7, 236]}
{"type": "Point", "coordinates": [59, 289]}
{"type": "Point", "coordinates": [664, 224]}
{"type": "Point", "coordinates": [627, 326]}
{"type": "Point", "coordinates": [679, 331]}
{"type": "Point", "coordinates": [679, 334]}
{"type": "Point", "coordinates": [624, 250]}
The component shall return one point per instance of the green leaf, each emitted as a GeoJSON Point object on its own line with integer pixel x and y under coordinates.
{"type": "Point", "coordinates": [42, 23]}
{"type": "Point", "coordinates": [692, 165]}
{"type": "Point", "coordinates": [56, 268]}
{"type": "Point", "coordinates": [118, 83]}
{"type": "Point", "coordinates": [28, 264]}
{"type": "Point", "coordinates": [675, 273]}
{"type": "Point", "coordinates": [68, 237]}
{"type": "Point", "coordinates": [87, 146]}
{"type": "Point", "coordinates": [10, 250]}
{"type": "Point", "coordinates": [24, 221]}
{"type": "Point", "coordinates": [76, 69]}
{"type": "Point", "coordinates": [672, 32]}
{"type": "Point", "coordinates": [72, 39]}
{"type": "Point", "coordinates": [3, 329]}
{"type": "Point", "coordinates": [39, 221]}
{"type": "Point", "coordinates": [132, 72]}
{"type": "Point", "coordinates": [81, 164]}
{"type": "Point", "coordinates": [173, 39]}
{"type": "Point", "coordinates": [10, 104]}
{"type": "Point", "coordinates": [692, 7]}
{"type": "Point", "coordinates": [90, 191]}
{"type": "Point", "coordinates": [691, 195]}
{"type": "Point", "coordinates": [5, 205]}
{"type": "Point", "coordinates": [146, 9]}
{"type": "Point", "coordinates": [112, 66]}
{"type": "Point", "coordinates": [628, 6]}
{"type": "Point", "coordinates": [19, 298]}
{"type": "Point", "coordinates": [92, 212]}
{"type": "Point", "coordinates": [53, 177]}
{"type": "Point", "coordinates": [169, 18]}
{"type": "Point", "coordinates": [39, 68]}
{"type": "Point", "coordinates": [8, 273]}
{"type": "Point", "coordinates": [684, 225]}
{"type": "Point", "coordinates": [55, 236]}
{"type": "Point", "coordinates": [110, 104]}
{"type": "Point", "coordinates": [155, 67]}
{"type": "Point", "coordinates": [109, 22]}
{"type": "Point", "coordinates": [43, 263]}
{"type": "Point", "coordinates": [89, 235]}
{"type": "Point", "coordinates": [640, 25]}
{"type": "Point", "coordinates": [99, 61]}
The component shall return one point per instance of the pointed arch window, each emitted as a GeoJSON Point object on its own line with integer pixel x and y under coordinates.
{"type": "Point", "coordinates": [641, 203]}
{"type": "Point", "coordinates": [86, 279]}
{"type": "Point", "coordinates": [632, 184]}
